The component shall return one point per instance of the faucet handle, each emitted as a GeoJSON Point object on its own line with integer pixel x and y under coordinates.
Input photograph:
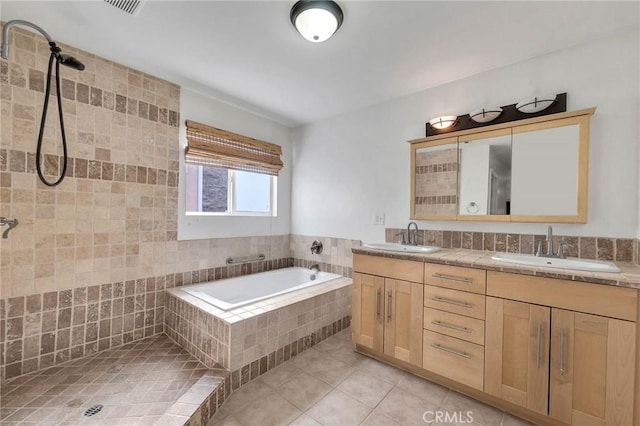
{"type": "Point", "coordinates": [401, 234]}
{"type": "Point", "coordinates": [539, 248]}
{"type": "Point", "coordinates": [561, 245]}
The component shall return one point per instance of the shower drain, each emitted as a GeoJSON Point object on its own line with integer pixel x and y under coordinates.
{"type": "Point", "coordinates": [92, 411]}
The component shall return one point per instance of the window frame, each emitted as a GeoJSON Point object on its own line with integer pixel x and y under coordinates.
{"type": "Point", "coordinates": [231, 198]}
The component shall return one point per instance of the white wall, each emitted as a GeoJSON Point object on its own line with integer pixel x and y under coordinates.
{"type": "Point", "coordinates": [348, 167]}
{"type": "Point", "coordinates": [218, 114]}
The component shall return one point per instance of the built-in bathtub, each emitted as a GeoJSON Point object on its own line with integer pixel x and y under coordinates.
{"type": "Point", "coordinates": [233, 293]}
{"type": "Point", "coordinates": [254, 322]}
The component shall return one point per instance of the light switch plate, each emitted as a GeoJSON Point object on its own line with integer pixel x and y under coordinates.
{"type": "Point", "coordinates": [378, 218]}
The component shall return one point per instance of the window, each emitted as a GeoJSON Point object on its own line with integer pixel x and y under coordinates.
{"type": "Point", "coordinates": [229, 174]}
{"type": "Point", "coordinates": [215, 190]}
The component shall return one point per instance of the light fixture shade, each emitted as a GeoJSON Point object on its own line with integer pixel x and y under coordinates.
{"type": "Point", "coordinates": [316, 20]}
{"type": "Point", "coordinates": [443, 122]}
{"type": "Point", "coordinates": [484, 115]}
{"type": "Point", "coordinates": [535, 104]}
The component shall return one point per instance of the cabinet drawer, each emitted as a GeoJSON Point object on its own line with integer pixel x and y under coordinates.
{"type": "Point", "coordinates": [454, 325]}
{"type": "Point", "coordinates": [454, 358]}
{"type": "Point", "coordinates": [405, 270]}
{"type": "Point", "coordinates": [457, 302]}
{"type": "Point", "coordinates": [456, 277]}
{"type": "Point", "coordinates": [603, 300]}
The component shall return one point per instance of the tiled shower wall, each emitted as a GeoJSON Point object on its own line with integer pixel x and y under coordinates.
{"type": "Point", "coordinates": [87, 266]}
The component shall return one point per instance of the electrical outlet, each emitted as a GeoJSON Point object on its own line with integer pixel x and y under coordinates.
{"type": "Point", "coordinates": [378, 219]}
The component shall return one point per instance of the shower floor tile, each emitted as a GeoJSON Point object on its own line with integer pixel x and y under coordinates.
{"type": "Point", "coordinates": [136, 384]}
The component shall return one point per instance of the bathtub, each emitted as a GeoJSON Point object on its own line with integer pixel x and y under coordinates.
{"type": "Point", "coordinates": [236, 292]}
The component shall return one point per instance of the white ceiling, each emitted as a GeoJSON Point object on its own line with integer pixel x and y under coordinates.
{"type": "Point", "coordinates": [248, 53]}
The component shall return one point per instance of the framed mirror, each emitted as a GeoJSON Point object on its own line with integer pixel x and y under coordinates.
{"type": "Point", "coordinates": [485, 174]}
{"type": "Point", "coordinates": [533, 170]}
{"type": "Point", "coordinates": [434, 187]}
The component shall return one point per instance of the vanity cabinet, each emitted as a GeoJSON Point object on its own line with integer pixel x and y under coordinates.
{"type": "Point", "coordinates": [387, 307]}
{"type": "Point", "coordinates": [454, 313]}
{"type": "Point", "coordinates": [575, 366]}
{"type": "Point", "coordinates": [517, 356]}
{"type": "Point", "coordinates": [556, 352]}
{"type": "Point", "coordinates": [592, 369]}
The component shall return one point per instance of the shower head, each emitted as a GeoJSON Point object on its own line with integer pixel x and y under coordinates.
{"type": "Point", "coordinates": [4, 50]}
{"type": "Point", "coordinates": [71, 62]}
{"type": "Point", "coordinates": [67, 60]}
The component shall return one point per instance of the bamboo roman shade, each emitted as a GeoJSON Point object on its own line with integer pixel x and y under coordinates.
{"type": "Point", "coordinates": [212, 147]}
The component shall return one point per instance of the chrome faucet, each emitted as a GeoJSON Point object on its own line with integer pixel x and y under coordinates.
{"type": "Point", "coordinates": [561, 245]}
{"type": "Point", "coordinates": [315, 270]}
{"type": "Point", "coordinates": [413, 242]}
{"type": "Point", "coordinates": [549, 241]}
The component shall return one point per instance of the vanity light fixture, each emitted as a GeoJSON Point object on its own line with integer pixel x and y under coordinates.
{"type": "Point", "coordinates": [535, 104]}
{"type": "Point", "coordinates": [443, 122]}
{"type": "Point", "coordinates": [484, 115]}
{"type": "Point", "coordinates": [316, 20]}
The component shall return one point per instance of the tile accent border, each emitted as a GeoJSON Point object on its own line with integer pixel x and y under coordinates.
{"type": "Point", "coordinates": [19, 75]}
{"type": "Point", "coordinates": [16, 161]}
{"type": "Point", "coordinates": [598, 248]}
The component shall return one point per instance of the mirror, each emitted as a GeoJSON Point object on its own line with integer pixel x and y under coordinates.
{"type": "Point", "coordinates": [534, 170]}
{"type": "Point", "coordinates": [485, 174]}
{"type": "Point", "coordinates": [435, 179]}
{"type": "Point", "coordinates": [545, 174]}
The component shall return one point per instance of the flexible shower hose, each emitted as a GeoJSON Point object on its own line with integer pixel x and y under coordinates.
{"type": "Point", "coordinates": [54, 55]}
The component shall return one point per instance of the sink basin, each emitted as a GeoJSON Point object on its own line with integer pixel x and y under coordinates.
{"type": "Point", "coordinates": [579, 264]}
{"type": "Point", "coordinates": [402, 248]}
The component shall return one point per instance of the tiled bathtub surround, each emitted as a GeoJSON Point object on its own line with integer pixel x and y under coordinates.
{"type": "Point", "coordinates": [599, 248]}
{"type": "Point", "coordinates": [247, 334]}
{"type": "Point", "coordinates": [336, 256]}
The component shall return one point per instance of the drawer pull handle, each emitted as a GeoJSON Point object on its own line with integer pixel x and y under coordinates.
{"type": "Point", "coordinates": [452, 278]}
{"type": "Point", "coordinates": [452, 326]}
{"type": "Point", "coordinates": [451, 351]}
{"type": "Point", "coordinates": [452, 302]}
{"type": "Point", "coordinates": [377, 304]}
{"type": "Point", "coordinates": [563, 337]}
{"type": "Point", "coordinates": [389, 305]}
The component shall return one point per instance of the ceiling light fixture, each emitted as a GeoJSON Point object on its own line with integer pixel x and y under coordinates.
{"type": "Point", "coordinates": [484, 115]}
{"type": "Point", "coordinates": [316, 20]}
{"type": "Point", "coordinates": [535, 104]}
{"type": "Point", "coordinates": [443, 122]}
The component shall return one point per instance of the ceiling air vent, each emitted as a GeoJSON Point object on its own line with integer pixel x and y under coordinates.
{"type": "Point", "coordinates": [132, 7]}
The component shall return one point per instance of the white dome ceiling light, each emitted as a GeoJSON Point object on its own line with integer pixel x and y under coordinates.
{"type": "Point", "coordinates": [316, 20]}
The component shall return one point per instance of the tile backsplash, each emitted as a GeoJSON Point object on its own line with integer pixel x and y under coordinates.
{"type": "Point", "coordinates": [599, 248]}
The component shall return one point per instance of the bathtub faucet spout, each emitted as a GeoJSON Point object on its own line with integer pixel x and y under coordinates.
{"type": "Point", "coordinates": [315, 270]}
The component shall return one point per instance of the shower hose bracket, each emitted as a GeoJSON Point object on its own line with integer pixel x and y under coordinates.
{"type": "Point", "coordinates": [12, 223]}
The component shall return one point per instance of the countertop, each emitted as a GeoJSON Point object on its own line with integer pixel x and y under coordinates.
{"type": "Point", "coordinates": [629, 275]}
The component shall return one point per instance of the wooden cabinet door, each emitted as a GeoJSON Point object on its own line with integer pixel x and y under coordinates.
{"type": "Point", "coordinates": [403, 320]}
{"type": "Point", "coordinates": [592, 369]}
{"type": "Point", "coordinates": [517, 353]}
{"type": "Point", "coordinates": [367, 324]}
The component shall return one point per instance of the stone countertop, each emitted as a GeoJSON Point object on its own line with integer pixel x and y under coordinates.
{"type": "Point", "coordinates": [629, 275]}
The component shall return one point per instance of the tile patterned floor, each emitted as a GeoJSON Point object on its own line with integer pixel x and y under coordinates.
{"type": "Point", "coordinates": [330, 384]}
{"type": "Point", "coordinates": [136, 383]}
